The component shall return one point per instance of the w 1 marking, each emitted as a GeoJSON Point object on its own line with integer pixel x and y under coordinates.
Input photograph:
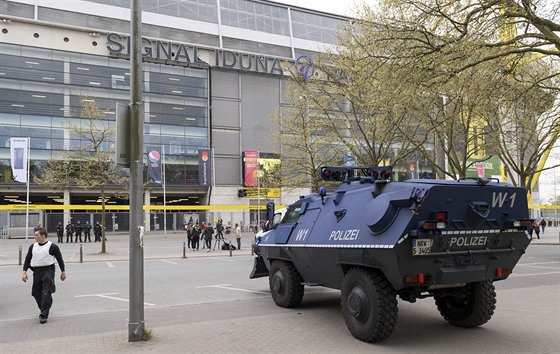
{"type": "Point", "coordinates": [500, 198]}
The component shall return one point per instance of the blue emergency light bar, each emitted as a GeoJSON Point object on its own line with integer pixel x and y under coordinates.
{"type": "Point", "coordinates": [344, 174]}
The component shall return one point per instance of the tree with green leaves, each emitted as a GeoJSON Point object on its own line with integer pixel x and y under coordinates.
{"type": "Point", "coordinates": [90, 162]}
{"type": "Point", "coordinates": [495, 61]}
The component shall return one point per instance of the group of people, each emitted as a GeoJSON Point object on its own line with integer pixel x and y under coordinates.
{"type": "Point", "coordinates": [75, 230]}
{"type": "Point", "coordinates": [537, 227]}
{"type": "Point", "coordinates": [206, 232]}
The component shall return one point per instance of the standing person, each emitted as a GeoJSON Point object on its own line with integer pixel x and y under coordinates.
{"type": "Point", "coordinates": [78, 231]}
{"type": "Point", "coordinates": [196, 237]}
{"type": "Point", "coordinates": [69, 231]}
{"type": "Point", "coordinates": [219, 232]}
{"type": "Point", "coordinates": [40, 259]}
{"type": "Point", "coordinates": [208, 232]}
{"type": "Point", "coordinates": [189, 228]}
{"type": "Point", "coordinates": [537, 228]}
{"type": "Point", "coordinates": [37, 227]}
{"type": "Point", "coordinates": [543, 225]}
{"type": "Point", "coordinates": [60, 232]}
{"type": "Point", "coordinates": [238, 236]}
{"type": "Point", "coordinates": [203, 230]}
{"type": "Point", "coordinates": [97, 231]}
{"type": "Point", "coordinates": [87, 231]}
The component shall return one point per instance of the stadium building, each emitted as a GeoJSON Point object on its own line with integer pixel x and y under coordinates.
{"type": "Point", "coordinates": [212, 75]}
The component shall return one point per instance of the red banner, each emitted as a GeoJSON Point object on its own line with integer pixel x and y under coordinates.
{"type": "Point", "coordinates": [250, 168]}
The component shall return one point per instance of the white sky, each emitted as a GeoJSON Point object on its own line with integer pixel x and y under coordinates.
{"type": "Point", "coordinates": [345, 7]}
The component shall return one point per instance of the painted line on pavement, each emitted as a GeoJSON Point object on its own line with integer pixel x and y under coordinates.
{"type": "Point", "coordinates": [106, 296]}
{"type": "Point", "coordinates": [166, 261]}
{"type": "Point", "coordinates": [539, 263]}
{"type": "Point", "coordinates": [227, 287]}
{"type": "Point", "coordinates": [110, 265]}
{"type": "Point", "coordinates": [532, 274]}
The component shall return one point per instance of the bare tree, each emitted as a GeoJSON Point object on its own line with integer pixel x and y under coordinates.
{"type": "Point", "coordinates": [300, 134]}
{"type": "Point", "coordinates": [90, 163]}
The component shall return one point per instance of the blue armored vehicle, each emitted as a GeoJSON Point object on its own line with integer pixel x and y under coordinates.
{"type": "Point", "coordinates": [375, 239]}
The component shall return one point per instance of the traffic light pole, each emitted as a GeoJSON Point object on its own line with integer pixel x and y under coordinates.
{"type": "Point", "coordinates": [136, 263]}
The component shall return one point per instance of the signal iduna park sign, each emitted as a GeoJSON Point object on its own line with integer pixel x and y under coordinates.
{"type": "Point", "coordinates": [182, 53]}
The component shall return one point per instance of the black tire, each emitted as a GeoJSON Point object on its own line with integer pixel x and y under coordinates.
{"type": "Point", "coordinates": [471, 306]}
{"type": "Point", "coordinates": [369, 305]}
{"type": "Point", "coordinates": [286, 284]}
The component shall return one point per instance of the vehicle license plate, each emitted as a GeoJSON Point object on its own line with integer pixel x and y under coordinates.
{"type": "Point", "coordinates": [421, 246]}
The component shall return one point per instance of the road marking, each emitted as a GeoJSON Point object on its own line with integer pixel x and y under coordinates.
{"type": "Point", "coordinates": [527, 275]}
{"type": "Point", "coordinates": [541, 267]}
{"type": "Point", "coordinates": [166, 261]}
{"type": "Point", "coordinates": [539, 263]}
{"type": "Point", "coordinates": [211, 286]}
{"type": "Point", "coordinates": [227, 287]}
{"type": "Point", "coordinates": [110, 265]}
{"type": "Point", "coordinates": [106, 296]}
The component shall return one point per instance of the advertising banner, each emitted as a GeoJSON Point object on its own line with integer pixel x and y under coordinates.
{"type": "Point", "coordinates": [250, 168]}
{"type": "Point", "coordinates": [18, 153]}
{"type": "Point", "coordinates": [204, 168]}
{"type": "Point", "coordinates": [154, 165]}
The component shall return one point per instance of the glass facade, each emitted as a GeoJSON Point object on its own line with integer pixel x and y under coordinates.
{"type": "Point", "coordinates": [42, 90]}
{"type": "Point", "coordinates": [200, 10]}
{"type": "Point", "coordinates": [247, 14]}
{"type": "Point", "coordinates": [315, 27]}
{"type": "Point", "coordinates": [255, 16]}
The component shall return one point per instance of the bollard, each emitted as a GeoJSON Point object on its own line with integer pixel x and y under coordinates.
{"type": "Point", "coordinates": [20, 255]}
{"type": "Point", "coordinates": [81, 254]}
{"type": "Point", "coordinates": [184, 250]}
{"type": "Point", "coordinates": [230, 248]}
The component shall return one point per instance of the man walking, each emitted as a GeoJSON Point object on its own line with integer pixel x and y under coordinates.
{"type": "Point", "coordinates": [40, 259]}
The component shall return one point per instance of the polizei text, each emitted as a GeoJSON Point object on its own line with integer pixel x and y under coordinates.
{"type": "Point", "coordinates": [344, 235]}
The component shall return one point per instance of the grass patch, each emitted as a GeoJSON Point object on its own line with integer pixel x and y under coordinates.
{"type": "Point", "coordinates": [148, 334]}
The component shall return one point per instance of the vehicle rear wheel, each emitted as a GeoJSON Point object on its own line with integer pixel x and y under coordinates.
{"type": "Point", "coordinates": [369, 305]}
{"type": "Point", "coordinates": [285, 283]}
{"type": "Point", "coordinates": [470, 306]}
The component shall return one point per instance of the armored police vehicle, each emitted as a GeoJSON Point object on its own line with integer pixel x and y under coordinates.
{"type": "Point", "coordinates": [375, 239]}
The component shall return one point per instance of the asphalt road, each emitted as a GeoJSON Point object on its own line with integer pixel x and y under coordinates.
{"type": "Point", "coordinates": [209, 304]}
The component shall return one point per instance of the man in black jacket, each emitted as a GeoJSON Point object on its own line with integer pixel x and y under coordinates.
{"type": "Point", "coordinates": [78, 230]}
{"type": "Point", "coordinates": [69, 232]}
{"type": "Point", "coordinates": [97, 231]}
{"type": "Point", "coordinates": [60, 232]}
{"type": "Point", "coordinates": [87, 231]}
{"type": "Point", "coordinates": [40, 259]}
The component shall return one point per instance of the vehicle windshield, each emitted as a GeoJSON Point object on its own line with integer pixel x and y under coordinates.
{"type": "Point", "coordinates": [292, 214]}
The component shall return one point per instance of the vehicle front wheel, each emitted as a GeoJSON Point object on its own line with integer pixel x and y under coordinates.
{"type": "Point", "coordinates": [286, 284]}
{"type": "Point", "coordinates": [470, 306]}
{"type": "Point", "coordinates": [369, 305]}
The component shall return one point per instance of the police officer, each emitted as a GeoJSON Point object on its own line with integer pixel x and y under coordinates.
{"type": "Point", "coordinates": [97, 231]}
{"type": "Point", "coordinates": [60, 232]}
{"type": "Point", "coordinates": [87, 231]}
{"type": "Point", "coordinates": [69, 232]}
{"type": "Point", "coordinates": [78, 231]}
{"type": "Point", "coordinates": [40, 259]}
